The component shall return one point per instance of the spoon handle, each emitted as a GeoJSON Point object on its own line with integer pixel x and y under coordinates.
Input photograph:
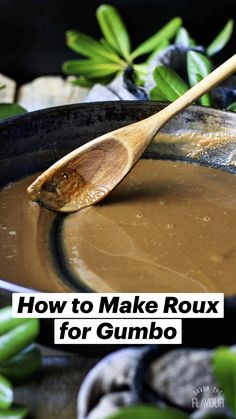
{"type": "Point", "coordinates": [210, 81]}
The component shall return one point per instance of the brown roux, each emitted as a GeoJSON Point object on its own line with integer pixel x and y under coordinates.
{"type": "Point", "coordinates": [168, 227]}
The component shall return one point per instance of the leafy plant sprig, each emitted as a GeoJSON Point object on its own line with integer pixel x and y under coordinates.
{"type": "Point", "coordinates": [111, 55]}
{"type": "Point", "coordinates": [170, 86]}
{"type": "Point", "coordinates": [20, 359]}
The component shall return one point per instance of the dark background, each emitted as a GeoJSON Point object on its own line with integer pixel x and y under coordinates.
{"type": "Point", "coordinates": [32, 31]}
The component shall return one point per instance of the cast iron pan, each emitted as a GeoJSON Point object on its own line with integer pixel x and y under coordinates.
{"type": "Point", "coordinates": [34, 141]}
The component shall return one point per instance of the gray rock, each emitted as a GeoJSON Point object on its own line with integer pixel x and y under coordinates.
{"type": "Point", "coordinates": [177, 374]}
{"type": "Point", "coordinates": [47, 91]}
{"type": "Point", "coordinates": [109, 377]}
{"type": "Point", "coordinates": [99, 93]}
{"type": "Point", "coordinates": [113, 91]}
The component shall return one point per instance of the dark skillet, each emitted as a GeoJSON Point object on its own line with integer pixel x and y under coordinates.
{"type": "Point", "coordinates": [34, 141]}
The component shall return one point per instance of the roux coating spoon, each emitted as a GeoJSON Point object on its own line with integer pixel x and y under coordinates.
{"type": "Point", "coordinates": [87, 174]}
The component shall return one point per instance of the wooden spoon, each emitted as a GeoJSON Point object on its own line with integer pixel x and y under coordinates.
{"type": "Point", "coordinates": [87, 174]}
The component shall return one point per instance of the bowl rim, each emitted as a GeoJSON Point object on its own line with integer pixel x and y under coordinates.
{"type": "Point", "coordinates": [111, 103]}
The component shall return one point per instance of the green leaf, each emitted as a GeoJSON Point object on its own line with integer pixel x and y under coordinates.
{"type": "Point", "coordinates": [23, 366]}
{"type": "Point", "coordinates": [198, 67]}
{"type": "Point", "coordinates": [90, 68]}
{"type": "Point", "coordinates": [169, 83]}
{"type": "Point", "coordinates": [114, 29]}
{"type": "Point", "coordinates": [224, 367]}
{"type": "Point", "coordinates": [14, 413]}
{"type": "Point", "coordinates": [141, 71]}
{"type": "Point", "coordinates": [164, 34]}
{"type": "Point", "coordinates": [222, 38]}
{"type": "Point", "coordinates": [156, 94]}
{"type": "Point", "coordinates": [232, 107]}
{"type": "Point", "coordinates": [205, 100]}
{"type": "Point", "coordinates": [7, 322]}
{"type": "Point", "coordinates": [183, 38]}
{"type": "Point", "coordinates": [110, 50]}
{"type": "Point", "coordinates": [163, 45]}
{"type": "Point", "coordinates": [89, 47]}
{"type": "Point", "coordinates": [82, 81]}
{"type": "Point", "coordinates": [6, 393]}
{"type": "Point", "coordinates": [148, 412]}
{"type": "Point", "coordinates": [2, 86]}
{"type": "Point", "coordinates": [17, 339]}
{"type": "Point", "coordinates": [141, 68]}
{"type": "Point", "coordinates": [197, 63]}
{"type": "Point", "coordinates": [7, 110]}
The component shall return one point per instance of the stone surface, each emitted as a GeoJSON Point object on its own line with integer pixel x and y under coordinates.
{"type": "Point", "coordinates": [48, 91]}
{"type": "Point", "coordinates": [178, 373]}
{"type": "Point", "coordinates": [113, 91]}
{"type": "Point", "coordinates": [109, 404]}
{"type": "Point", "coordinates": [105, 384]}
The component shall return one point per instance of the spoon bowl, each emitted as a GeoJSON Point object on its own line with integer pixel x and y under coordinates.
{"type": "Point", "coordinates": [79, 181]}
